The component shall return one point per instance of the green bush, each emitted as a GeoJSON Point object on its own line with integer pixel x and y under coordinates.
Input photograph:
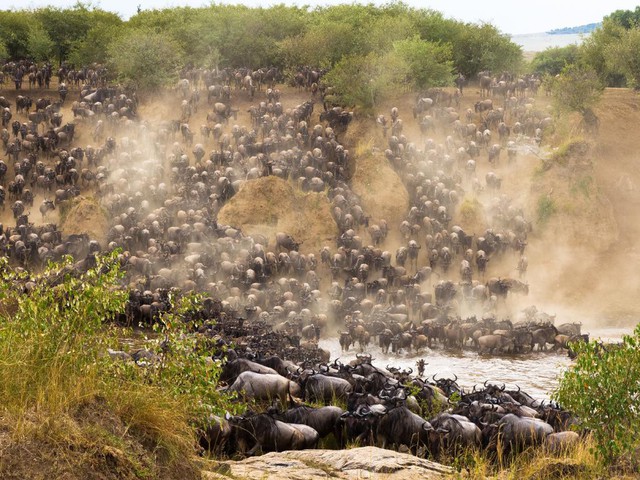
{"type": "Point", "coordinates": [53, 339]}
{"type": "Point", "coordinates": [546, 208]}
{"type": "Point", "coordinates": [185, 370]}
{"type": "Point", "coordinates": [603, 390]}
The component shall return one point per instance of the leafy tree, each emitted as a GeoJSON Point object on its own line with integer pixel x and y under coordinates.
{"type": "Point", "coordinates": [4, 53]}
{"type": "Point", "coordinates": [625, 18]}
{"type": "Point", "coordinates": [429, 64]}
{"type": "Point", "coordinates": [603, 390]}
{"type": "Point", "coordinates": [14, 33]}
{"type": "Point", "coordinates": [145, 58]}
{"type": "Point", "coordinates": [68, 26]}
{"type": "Point", "coordinates": [433, 27]}
{"type": "Point", "coordinates": [41, 47]}
{"type": "Point", "coordinates": [94, 47]}
{"type": "Point", "coordinates": [483, 47]}
{"type": "Point", "coordinates": [594, 52]}
{"type": "Point", "coordinates": [362, 81]}
{"type": "Point", "coordinates": [553, 60]}
{"type": "Point", "coordinates": [321, 45]}
{"type": "Point", "coordinates": [385, 30]}
{"type": "Point", "coordinates": [576, 89]}
{"type": "Point", "coordinates": [624, 56]}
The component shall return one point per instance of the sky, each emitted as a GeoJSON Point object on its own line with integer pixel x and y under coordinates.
{"type": "Point", "coordinates": [510, 16]}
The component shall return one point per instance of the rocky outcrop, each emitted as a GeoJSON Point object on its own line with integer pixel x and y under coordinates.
{"type": "Point", "coordinates": [355, 463]}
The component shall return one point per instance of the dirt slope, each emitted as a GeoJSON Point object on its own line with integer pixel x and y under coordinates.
{"type": "Point", "coordinates": [584, 261]}
{"type": "Point", "coordinates": [617, 173]}
{"type": "Point", "coordinates": [270, 205]}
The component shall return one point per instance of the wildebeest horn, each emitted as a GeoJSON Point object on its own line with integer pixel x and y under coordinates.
{"type": "Point", "coordinates": [434, 378]}
{"type": "Point", "coordinates": [503, 387]}
{"type": "Point", "coordinates": [456, 379]}
{"type": "Point", "coordinates": [485, 383]}
{"type": "Point", "coordinates": [409, 371]}
{"type": "Point", "coordinates": [518, 388]}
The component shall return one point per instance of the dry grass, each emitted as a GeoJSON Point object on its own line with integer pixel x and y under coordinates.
{"type": "Point", "coordinates": [270, 205]}
{"type": "Point", "coordinates": [576, 462]}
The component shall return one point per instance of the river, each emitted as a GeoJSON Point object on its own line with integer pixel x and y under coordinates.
{"type": "Point", "coordinates": [536, 373]}
{"type": "Point", "coordinates": [537, 42]}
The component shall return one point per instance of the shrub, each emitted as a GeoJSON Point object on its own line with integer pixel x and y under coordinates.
{"type": "Point", "coordinates": [603, 390]}
{"type": "Point", "coordinates": [52, 341]}
{"type": "Point", "coordinates": [546, 208]}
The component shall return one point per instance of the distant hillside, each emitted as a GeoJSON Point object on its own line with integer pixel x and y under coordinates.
{"type": "Point", "coordinates": [580, 29]}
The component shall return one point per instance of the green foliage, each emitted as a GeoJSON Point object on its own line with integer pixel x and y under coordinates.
{"type": "Point", "coordinates": [594, 52]}
{"type": "Point", "coordinates": [4, 52]}
{"type": "Point", "coordinates": [625, 18]}
{"type": "Point", "coordinates": [321, 45]}
{"type": "Point", "coordinates": [363, 81]}
{"type": "Point", "coordinates": [40, 45]}
{"type": "Point", "coordinates": [14, 33]}
{"type": "Point", "coordinates": [94, 47]}
{"type": "Point", "coordinates": [185, 371]}
{"type": "Point", "coordinates": [433, 27]}
{"type": "Point", "coordinates": [545, 209]}
{"type": "Point", "coordinates": [52, 340]}
{"type": "Point", "coordinates": [603, 390]}
{"type": "Point", "coordinates": [576, 89]}
{"type": "Point", "coordinates": [67, 26]}
{"type": "Point", "coordinates": [483, 47]}
{"type": "Point", "coordinates": [553, 60]}
{"type": "Point", "coordinates": [145, 58]}
{"type": "Point", "coordinates": [624, 56]}
{"type": "Point", "coordinates": [429, 64]}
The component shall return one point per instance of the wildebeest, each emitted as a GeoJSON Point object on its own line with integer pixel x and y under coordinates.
{"type": "Point", "coordinates": [47, 205]}
{"type": "Point", "coordinates": [284, 241]}
{"type": "Point", "coordinates": [454, 433]}
{"type": "Point", "coordinates": [263, 433]}
{"type": "Point", "coordinates": [324, 388]}
{"type": "Point", "coordinates": [493, 343]}
{"type": "Point", "coordinates": [233, 368]}
{"type": "Point", "coordinates": [515, 433]}
{"type": "Point", "coordinates": [264, 386]}
{"type": "Point", "coordinates": [324, 419]}
{"type": "Point", "coordinates": [502, 286]}
{"type": "Point", "coordinates": [400, 426]}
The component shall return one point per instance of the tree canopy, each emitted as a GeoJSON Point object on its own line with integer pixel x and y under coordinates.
{"type": "Point", "coordinates": [283, 36]}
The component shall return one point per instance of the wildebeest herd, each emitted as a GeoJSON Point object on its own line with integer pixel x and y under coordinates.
{"type": "Point", "coordinates": [162, 184]}
{"type": "Point", "coordinates": [385, 407]}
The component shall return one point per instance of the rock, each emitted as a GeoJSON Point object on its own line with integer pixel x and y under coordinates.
{"type": "Point", "coordinates": [355, 463]}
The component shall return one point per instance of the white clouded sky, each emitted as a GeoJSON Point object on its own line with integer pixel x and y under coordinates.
{"type": "Point", "coordinates": [510, 16]}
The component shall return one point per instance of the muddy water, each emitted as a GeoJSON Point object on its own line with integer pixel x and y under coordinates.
{"type": "Point", "coordinates": [536, 373]}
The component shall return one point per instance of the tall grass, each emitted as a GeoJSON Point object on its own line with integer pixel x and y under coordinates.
{"type": "Point", "coordinates": [52, 337]}
{"type": "Point", "coordinates": [54, 334]}
{"type": "Point", "coordinates": [577, 461]}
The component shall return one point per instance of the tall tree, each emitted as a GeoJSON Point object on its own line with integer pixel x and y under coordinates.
{"type": "Point", "coordinates": [429, 64]}
{"type": "Point", "coordinates": [145, 58]}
